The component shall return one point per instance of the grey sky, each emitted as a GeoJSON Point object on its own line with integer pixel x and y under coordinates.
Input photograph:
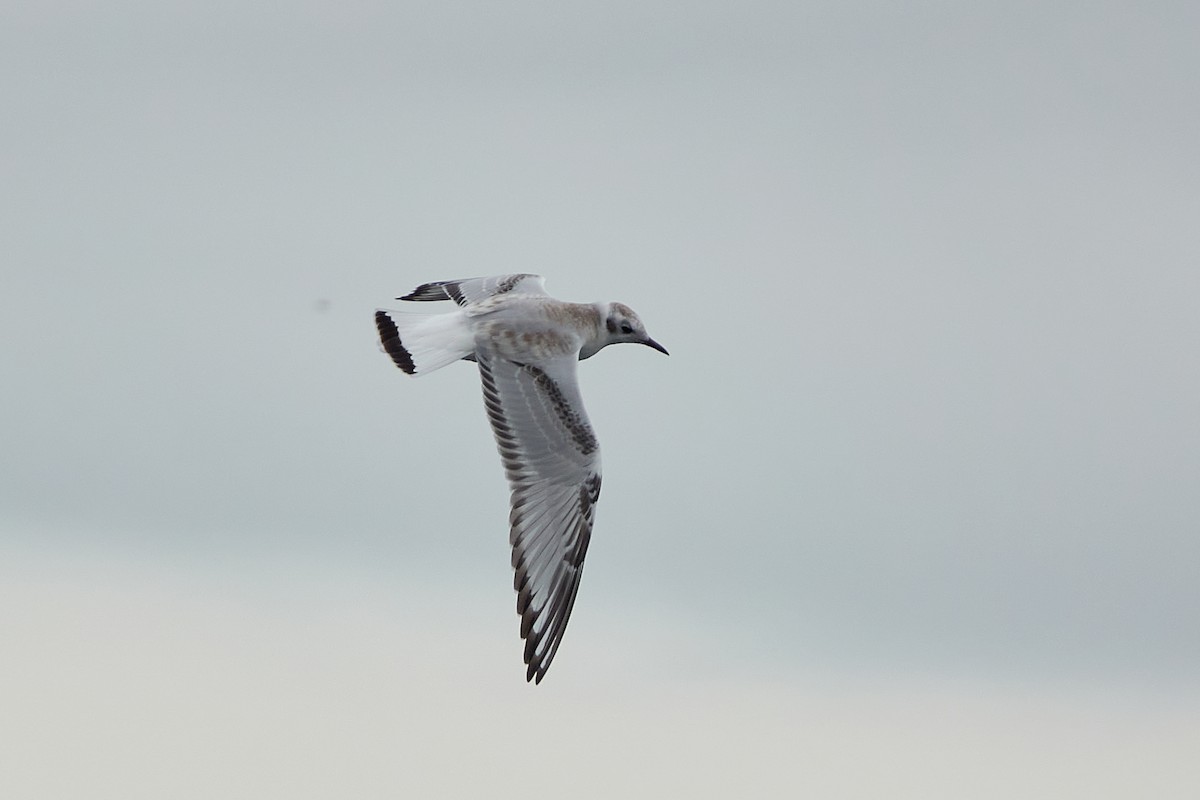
{"type": "Point", "coordinates": [928, 275]}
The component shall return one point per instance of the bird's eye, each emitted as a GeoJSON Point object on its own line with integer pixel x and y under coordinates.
{"type": "Point", "coordinates": [626, 327]}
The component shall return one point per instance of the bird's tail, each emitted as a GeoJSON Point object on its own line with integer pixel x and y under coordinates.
{"type": "Point", "coordinates": [421, 343]}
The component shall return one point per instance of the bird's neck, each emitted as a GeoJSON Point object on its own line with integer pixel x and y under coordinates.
{"type": "Point", "coordinates": [597, 313]}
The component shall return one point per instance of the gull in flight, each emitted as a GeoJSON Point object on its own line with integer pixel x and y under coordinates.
{"type": "Point", "coordinates": [526, 344]}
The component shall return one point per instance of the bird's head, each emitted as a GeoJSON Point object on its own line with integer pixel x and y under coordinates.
{"type": "Point", "coordinates": [624, 325]}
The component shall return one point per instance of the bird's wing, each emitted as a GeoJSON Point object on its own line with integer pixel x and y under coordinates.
{"type": "Point", "coordinates": [472, 290]}
{"type": "Point", "coordinates": [552, 461]}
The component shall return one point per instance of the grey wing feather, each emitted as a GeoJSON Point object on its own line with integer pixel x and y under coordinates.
{"type": "Point", "coordinates": [552, 462]}
{"type": "Point", "coordinates": [471, 290]}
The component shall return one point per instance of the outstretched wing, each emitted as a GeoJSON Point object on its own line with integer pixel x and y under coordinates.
{"type": "Point", "coordinates": [552, 461]}
{"type": "Point", "coordinates": [472, 290]}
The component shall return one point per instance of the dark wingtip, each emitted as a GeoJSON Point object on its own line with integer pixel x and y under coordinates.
{"type": "Point", "coordinates": [438, 290]}
{"type": "Point", "coordinates": [426, 291]}
{"type": "Point", "coordinates": [389, 337]}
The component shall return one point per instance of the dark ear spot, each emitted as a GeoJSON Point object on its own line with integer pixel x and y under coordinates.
{"type": "Point", "coordinates": [612, 325]}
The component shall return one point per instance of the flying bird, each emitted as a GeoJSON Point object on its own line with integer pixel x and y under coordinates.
{"type": "Point", "coordinates": [527, 345]}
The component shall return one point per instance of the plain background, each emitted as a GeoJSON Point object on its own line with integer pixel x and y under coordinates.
{"type": "Point", "coordinates": [910, 511]}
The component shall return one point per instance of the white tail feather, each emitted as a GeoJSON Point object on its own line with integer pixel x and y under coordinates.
{"type": "Point", "coordinates": [421, 343]}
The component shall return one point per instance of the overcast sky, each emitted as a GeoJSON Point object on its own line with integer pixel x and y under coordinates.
{"type": "Point", "coordinates": [912, 509]}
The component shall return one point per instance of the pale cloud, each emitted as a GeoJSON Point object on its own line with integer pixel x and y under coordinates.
{"type": "Point", "coordinates": [153, 681]}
